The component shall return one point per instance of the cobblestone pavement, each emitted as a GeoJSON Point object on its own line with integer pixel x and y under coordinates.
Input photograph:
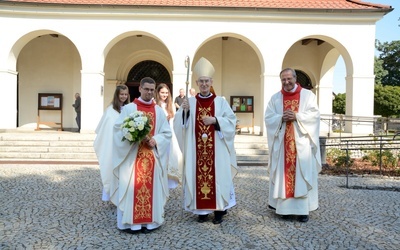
{"type": "Point", "coordinates": [59, 207]}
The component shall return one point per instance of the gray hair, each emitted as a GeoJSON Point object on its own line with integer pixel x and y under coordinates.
{"type": "Point", "coordinates": [289, 69]}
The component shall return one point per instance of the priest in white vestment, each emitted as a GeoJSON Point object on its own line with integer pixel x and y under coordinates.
{"type": "Point", "coordinates": [292, 120]}
{"type": "Point", "coordinates": [205, 128]}
{"type": "Point", "coordinates": [141, 189]}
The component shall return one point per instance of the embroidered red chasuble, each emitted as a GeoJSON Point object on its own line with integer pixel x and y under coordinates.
{"type": "Point", "coordinates": [290, 101]}
{"type": "Point", "coordinates": [144, 172]}
{"type": "Point", "coordinates": [205, 155]}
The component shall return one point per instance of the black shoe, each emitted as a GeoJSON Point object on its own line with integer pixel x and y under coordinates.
{"type": "Point", "coordinates": [130, 231]}
{"type": "Point", "coordinates": [271, 207]}
{"type": "Point", "coordinates": [218, 216]}
{"type": "Point", "coordinates": [147, 231]}
{"type": "Point", "coordinates": [302, 218]}
{"type": "Point", "coordinates": [285, 216]}
{"type": "Point", "coordinates": [202, 218]}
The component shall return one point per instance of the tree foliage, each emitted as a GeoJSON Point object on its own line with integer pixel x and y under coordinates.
{"type": "Point", "coordinates": [379, 72]}
{"type": "Point", "coordinates": [387, 101]}
{"type": "Point", "coordinates": [390, 59]}
{"type": "Point", "coordinates": [339, 104]}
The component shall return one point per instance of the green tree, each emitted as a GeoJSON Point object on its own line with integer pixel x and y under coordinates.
{"type": "Point", "coordinates": [390, 56]}
{"type": "Point", "coordinates": [339, 104]}
{"type": "Point", "coordinates": [387, 101]}
{"type": "Point", "coordinates": [379, 72]}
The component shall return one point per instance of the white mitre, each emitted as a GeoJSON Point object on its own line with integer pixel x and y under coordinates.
{"type": "Point", "coordinates": [204, 68]}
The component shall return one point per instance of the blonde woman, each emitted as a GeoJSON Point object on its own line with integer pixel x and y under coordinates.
{"type": "Point", "coordinates": [163, 98]}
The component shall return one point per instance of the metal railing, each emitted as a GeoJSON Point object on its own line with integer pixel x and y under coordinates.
{"type": "Point", "coordinates": [365, 143]}
{"type": "Point", "coordinates": [381, 125]}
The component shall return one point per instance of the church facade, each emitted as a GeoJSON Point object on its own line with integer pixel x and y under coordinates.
{"type": "Point", "coordinates": [56, 48]}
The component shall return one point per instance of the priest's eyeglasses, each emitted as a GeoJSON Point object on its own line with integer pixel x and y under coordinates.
{"type": "Point", "coordinates": [148, 90]}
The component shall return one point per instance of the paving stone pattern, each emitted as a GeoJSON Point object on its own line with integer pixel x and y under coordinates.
{"type": "Point", "coordinates": [59, 207]}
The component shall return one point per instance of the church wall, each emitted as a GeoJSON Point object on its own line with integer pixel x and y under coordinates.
{"type": "Point", "coordinates": [91, 36]}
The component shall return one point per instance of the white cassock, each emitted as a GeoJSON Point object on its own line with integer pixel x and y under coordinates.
{"type": "Point", "coordinates": [175, 160]}
{"type": "Point", "coordinates": [225, 155]}
{"type": "Point", "coordinates": [124, 157]}
{"type": "Point", "coordinates": [308, 159]}
{"type": "Point", "coordinates": [103, 148]}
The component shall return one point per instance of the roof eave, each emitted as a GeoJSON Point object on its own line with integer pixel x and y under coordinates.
{"type": "Point", "coordinates": [379, 8]}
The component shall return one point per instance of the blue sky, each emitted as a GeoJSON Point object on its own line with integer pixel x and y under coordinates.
{"type": "Point", "coordinates": [387, 30]}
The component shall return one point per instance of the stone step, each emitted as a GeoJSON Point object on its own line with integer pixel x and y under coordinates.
{"type": "Point", "coordinates": [251, 151]}
{"type": "Point", "coordinates": [250, 138]}
{"type": "Point", "coordinates": [48, 156]}
{"type": "Point", "coordinates": [46, 149]}
{"type": "Point", "coordinates": [38, 136]}
{"type": "Point", "coordinates": [46, 143]}
{"type": "Point", "coordinates": [75, 147]}
{"type": "Point", "coordinates": [250, 145]}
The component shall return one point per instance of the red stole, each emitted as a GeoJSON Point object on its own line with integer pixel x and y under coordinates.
{"type": "Point", "coordinates": [144, 172]}
{"type": "Point", "coordinates": [290, 101]}
{"type": "Point", "coordinates": [205, 155]}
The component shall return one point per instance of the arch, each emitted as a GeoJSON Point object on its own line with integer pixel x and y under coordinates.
{"type": "Point", "coordinates": [331, 54]}
{"type": "Point", "coordinates": [227, 35]}
{"type": "Point", "coordinates": [44, 53]}
{"type": "Point", "coordinates": [329, 51]}
{"type": "Point", "coordinates": [22, 41]}
{"type": "Point", "coordinates": [238, 62]}
{"type": "Point", "coordinates": [143, 55]}
{"type": "Point", "coordinates": [147, 53]}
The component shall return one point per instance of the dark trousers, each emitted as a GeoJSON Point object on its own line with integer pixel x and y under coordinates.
{"type": "Point", "coordinates": [78, 120]}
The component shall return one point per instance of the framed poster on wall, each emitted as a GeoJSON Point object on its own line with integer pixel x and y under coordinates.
{"type": "Point", "coordinates": [49, 101]}
{"type": "Point", "coordinates": [242, 104]}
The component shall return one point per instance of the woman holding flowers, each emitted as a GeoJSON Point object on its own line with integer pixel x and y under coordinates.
{"type": "Point", "coordinates": [163, 99]}
{"type": "Point", "coordinates": [141, 140]}
{"type": "Point", "coordinates": [104, 138]}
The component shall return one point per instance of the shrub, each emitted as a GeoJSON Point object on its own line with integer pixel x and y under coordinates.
{"type": "Point", "coordinates": [338, 157]}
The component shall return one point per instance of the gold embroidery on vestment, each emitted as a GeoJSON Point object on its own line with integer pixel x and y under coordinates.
{"type": "Point", "coordinates": [205, 155]}
{"type": "Point", "coordinates": [144, 177]}
{"type": "Point", "coordinates": [290, 149]}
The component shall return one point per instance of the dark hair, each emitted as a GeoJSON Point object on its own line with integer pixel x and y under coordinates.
{"type": "Point", "coordinates": [168, 101]}
{"type": "Point", "coordinates": [148, 80]}
{"type": "Point", "coordinates": [115, 101]}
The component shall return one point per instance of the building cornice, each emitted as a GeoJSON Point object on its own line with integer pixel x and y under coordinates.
{"type": "Point", "coordinates": [192, 13]}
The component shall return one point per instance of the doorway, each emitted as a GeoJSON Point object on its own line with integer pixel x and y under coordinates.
{"type": "Point", "coordinates": [143, 69]}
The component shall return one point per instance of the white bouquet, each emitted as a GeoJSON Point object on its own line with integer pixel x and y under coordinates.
{"type": "Point", "coordinates": [136, 127]}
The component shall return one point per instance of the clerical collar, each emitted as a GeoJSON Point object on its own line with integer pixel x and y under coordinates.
{"type": "Point", "coordinates": [293, 90]}
{"type": "Point", "coordinates": [207, 96]}
{"type": "Point", "coordinates": [146, 102]}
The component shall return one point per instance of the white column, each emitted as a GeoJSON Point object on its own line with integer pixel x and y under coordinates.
{"type": "Point", "coordinates": [271, 83]}
{"type": "Point", "coordinates": [179, 75]}
{"type": "Point", "coordinates": [179, 82]}
{"type": "Point", "coordinates": [92, 91]}
{"type": "Point", "coordinates": [360, 103]}
{"type": "Point", "coordinates": [8, 99]}
{"type": "Point", "coordinates": [325, 90]}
